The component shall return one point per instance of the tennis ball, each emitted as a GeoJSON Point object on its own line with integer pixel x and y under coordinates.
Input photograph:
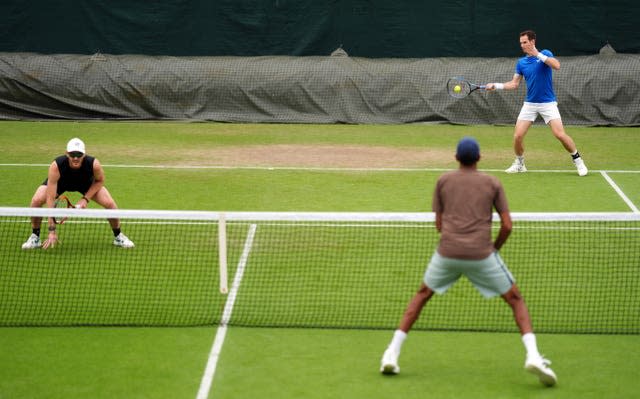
{"type": "Point", "coordinates": [457, 88]}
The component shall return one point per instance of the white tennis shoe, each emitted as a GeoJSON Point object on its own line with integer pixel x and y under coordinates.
{"type": "Point", "coordinates": [582, 168]}
{"type": "Point", "coordinates": [32, 242]}
{"type": "Point", "coordinates": [123, 241]}
{"type": "Point", "coordinates": [516, 167]}
{"type": "Point", "coordinates": [389, 363]}
{"type": "Point", "coordinates": [540, 367]}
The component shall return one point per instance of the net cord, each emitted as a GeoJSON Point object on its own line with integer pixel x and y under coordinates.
{"type": "Point", "coordinates": [301, 216]}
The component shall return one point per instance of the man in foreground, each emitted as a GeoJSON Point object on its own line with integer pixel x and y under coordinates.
{"type": "Point", "coordinates": [463, 203]}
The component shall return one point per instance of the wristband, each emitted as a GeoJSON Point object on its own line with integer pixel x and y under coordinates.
{"type": "Point", "coordinates": [498, 86]}
{"type": "Point", "coordinates": [52, 228]}
{"type": "Point", "coordinates": [85, 198]}
{"type": "Point", "coordinates": [542, 57]}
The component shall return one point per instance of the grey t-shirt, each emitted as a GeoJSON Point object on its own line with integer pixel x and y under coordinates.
{"type": "Point", "coordinates": [466, 199]}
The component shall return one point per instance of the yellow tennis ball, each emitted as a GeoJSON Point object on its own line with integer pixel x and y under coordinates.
{"type": "Point", "coordinates": [457, 88]}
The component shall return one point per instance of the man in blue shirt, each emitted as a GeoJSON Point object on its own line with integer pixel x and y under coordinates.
{"type": "Point", "coordinates": [536, 68]}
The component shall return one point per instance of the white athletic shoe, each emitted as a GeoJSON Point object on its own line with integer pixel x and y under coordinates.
{"type": "Point", "coordinates": [123, 241]}
{"type": "Point", "coordinates": [32, 242]}
{"type": "Point", "coordinates": [540, 367]}
{"type": "Point", "coordinates": [516, 167]}
{"type": "Point", "coordinates": [389, 363]}
{"type": "Point", "coordinates": [582, 168]}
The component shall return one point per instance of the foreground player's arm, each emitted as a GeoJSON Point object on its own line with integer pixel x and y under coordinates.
{"type": "Point", "coordinates": [505, 230]}
{"type": "Point", "coordinates": [510, 85]}
{"type": "Point", "coordinates": [98, 183]}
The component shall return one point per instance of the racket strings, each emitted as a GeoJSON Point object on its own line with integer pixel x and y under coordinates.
{"type": "Point", "coordinates": [458, 88]}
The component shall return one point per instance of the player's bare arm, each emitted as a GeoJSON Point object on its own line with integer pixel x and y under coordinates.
{"type": "Point", "coordinates": [529, 48]}
{"type": "Point", "coordinates": [510, 85]}
{"type": "Point", "coordinates": [506, 225]}
{"type": "Point", "coordinates": [552, 62]}
{"type": "Point", "coordinates": [439, 221]}
{"type": "Point", "coordinates": [53, 177]}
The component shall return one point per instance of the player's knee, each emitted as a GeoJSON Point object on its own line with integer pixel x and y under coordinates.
{"type": "Point", "coordinates": [424, 293]}
{"type": "Point", "coordinates": [513, 296]}
{"type": "Point", "coordinates": [38, 199]}
{"type": "Point", "coordinates": [35, 203]}
{"type": "Point", "coordinates": [110, 205]}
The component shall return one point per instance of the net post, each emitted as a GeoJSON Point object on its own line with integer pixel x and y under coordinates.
{"type": "Point", "coordinates": [222, 253]}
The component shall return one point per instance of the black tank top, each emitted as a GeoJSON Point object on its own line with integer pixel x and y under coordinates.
{"type": "Point", "coordinates": [74, 179]}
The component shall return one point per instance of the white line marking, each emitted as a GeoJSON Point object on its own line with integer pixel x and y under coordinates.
{"type": "Point", "coordinates": [620, 192]}
{"type": "Point", "coordinates": [312, 168]}
{"type": "Point", "coordinates": [207, 378]}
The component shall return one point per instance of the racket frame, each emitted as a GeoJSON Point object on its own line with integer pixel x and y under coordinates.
{"type": "Point", "coordinates": [466, 87]}
{"type": "Point", "coordinates": [62, 201]}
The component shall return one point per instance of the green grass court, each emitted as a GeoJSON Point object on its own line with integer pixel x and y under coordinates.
{"type": "Point", "coordinates": [237, 167]}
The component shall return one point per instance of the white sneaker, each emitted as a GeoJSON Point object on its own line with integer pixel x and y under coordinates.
{"type": "Point", "coordinates": [516, 167]}
{"type": "Point", "coordinates": [540, 367]}
{"type": "Point", "coordinates": [389, 363]}
{"type": "Point", "coordinates": [32, 242]}
{"type": "Point", "coordinates": [123, 241]}
{"type": "Point", "coordinates": [582, 168]}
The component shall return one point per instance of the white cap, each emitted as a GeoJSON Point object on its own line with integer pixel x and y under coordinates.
{"type": "Point", "coordinates": [75, 144]}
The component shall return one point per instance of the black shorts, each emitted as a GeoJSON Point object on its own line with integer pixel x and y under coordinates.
{"type": "Point", "coordinates": [80, 188]}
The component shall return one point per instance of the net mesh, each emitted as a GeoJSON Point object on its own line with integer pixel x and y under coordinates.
{"type": "Point", "coordinates": [578, 272]}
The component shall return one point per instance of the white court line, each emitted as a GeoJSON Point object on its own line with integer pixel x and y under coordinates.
{"type": "Point", "coordinates": [312, 168]}
{"type": "Point", "coordinates": [207, 378]}
{"type": "Point", "coordinates": [620, 192]}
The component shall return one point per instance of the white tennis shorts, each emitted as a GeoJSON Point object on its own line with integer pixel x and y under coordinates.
{"type": "Point", "coordinates": [490, 276]}
{"type": "Point", "coordinates": [548, 111]}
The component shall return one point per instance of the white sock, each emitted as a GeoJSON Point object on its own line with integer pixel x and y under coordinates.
{"type": "Point", "coordinates": [529, 341]}
{"type": "Point", "coordinates": [520, 159]}
{"type": "Point", "coordinates": [398, 339]}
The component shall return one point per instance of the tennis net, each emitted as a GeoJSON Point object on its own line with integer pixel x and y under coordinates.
{"type": "Point", "coordinates": [578, 272]}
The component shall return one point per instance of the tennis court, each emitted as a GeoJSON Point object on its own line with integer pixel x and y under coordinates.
{"type": "Point", "coordinates": [332, 358]}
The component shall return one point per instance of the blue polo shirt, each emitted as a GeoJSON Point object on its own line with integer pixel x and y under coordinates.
{"type": "Point", "coordinates": [537, 74]}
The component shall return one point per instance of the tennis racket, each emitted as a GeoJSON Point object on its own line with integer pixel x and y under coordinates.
{"type": "Point", "coordinates": [62, 202]}
{"type": "Point", "coordinates": [458, 87]}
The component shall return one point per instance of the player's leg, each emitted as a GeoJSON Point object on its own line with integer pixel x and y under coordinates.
{"type": "Point", "coordinates": [567, 142]}
{"type": "Point", "coordinates": [438, 277]}
{"type": "Point", "coordinates": [514, 299]}
{"type": "Point", "coordinates": [38, 199]}
{"type": "Point", "coordinates": [492, 277]}
{"type": "Point", "coordinates": [520, 131]}
{"type": "Point", "coordinates": [414, 308]}
{"type": "Point", "coordinates": [534, 362]}
{"type": "Point", "coordinates": [389, 363]}
{"type": "Point", "coordinates": [104, 199]}
{"type": "Point", "coordinates": [557, 128]}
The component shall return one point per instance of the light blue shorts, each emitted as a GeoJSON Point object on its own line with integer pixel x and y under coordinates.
{"type": "Point", "coordinates": [490, 276]}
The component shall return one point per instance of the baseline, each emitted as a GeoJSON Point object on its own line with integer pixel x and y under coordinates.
{"type": "Point", "coordinates": [318, 168]}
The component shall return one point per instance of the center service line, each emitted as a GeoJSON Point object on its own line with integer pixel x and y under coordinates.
{"type": "Point", "coordinates": [207, 378]}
